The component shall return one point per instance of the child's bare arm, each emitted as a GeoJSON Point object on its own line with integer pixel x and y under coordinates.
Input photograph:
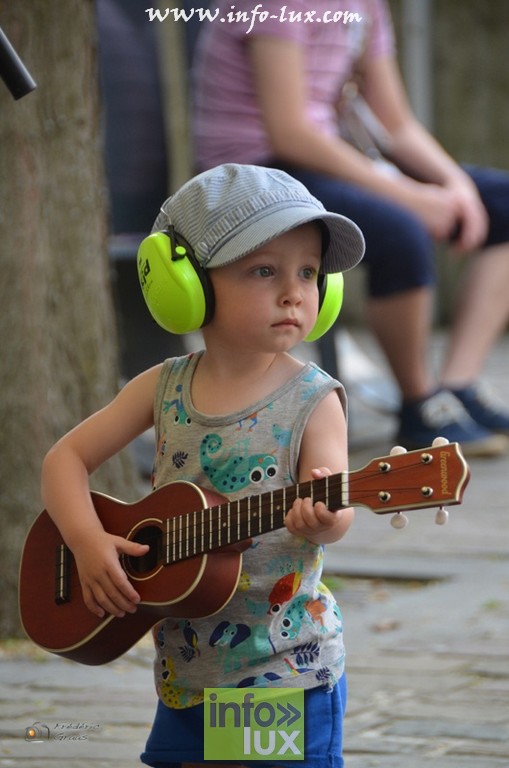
{"type": "Point", "coordinates": [323, 452]}
{"type": "Point", "coordinates": [66, 495]}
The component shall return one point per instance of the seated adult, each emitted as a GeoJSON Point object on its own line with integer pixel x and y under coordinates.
{"type": "Point", "coordinates": [267, 91]}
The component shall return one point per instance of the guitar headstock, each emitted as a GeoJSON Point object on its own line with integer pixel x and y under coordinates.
{"type": "Point", "coordinates": [429, 477]}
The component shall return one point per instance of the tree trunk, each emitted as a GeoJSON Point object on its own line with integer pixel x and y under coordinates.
{"type": "Point", "coordinates": [59, 357]}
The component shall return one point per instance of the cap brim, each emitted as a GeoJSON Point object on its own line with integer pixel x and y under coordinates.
{"type": "Point", "coordinates": [345, 248]}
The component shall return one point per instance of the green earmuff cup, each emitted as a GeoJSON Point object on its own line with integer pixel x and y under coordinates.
{"type": "Point", "coordinates": [176, 289]}
{"type": "Point", "coordinates": [330, 306]}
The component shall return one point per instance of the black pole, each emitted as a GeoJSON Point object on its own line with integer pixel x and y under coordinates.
{"type": "Point", "coordinates": [12, 70]}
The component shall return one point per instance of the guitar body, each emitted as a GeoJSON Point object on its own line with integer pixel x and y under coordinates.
{"type": "Point", "coordinates": [194, 587]}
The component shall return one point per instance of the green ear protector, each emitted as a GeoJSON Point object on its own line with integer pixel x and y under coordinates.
{"type": "Point", "coordinates": [179, 294]}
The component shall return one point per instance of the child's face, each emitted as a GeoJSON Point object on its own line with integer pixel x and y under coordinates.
{"type": "Point", "coordinates": [268, 300]}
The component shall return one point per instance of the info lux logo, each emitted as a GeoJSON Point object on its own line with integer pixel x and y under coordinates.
{"type": "Point", "coordinates": [254, 723]}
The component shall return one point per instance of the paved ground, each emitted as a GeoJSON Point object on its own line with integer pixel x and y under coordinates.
{"type": "Point", "coordinates": [427, 628]}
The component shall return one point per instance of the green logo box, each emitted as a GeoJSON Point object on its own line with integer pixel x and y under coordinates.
{"type": "Point", "coordinates": [254, 724]}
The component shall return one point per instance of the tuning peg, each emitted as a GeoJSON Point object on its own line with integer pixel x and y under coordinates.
{"type": "Point", "coordinates": [397, 449]}
{"type": "Point", "coordinates": [399, 520]}
{"type": "Point", "coordinates": [442, 516]}
{"type": "Point", "coordinates": [439, 441]}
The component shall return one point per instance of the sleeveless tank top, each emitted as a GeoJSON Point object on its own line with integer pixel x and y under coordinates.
{"type": "Point", "coordinates": [282, 627]}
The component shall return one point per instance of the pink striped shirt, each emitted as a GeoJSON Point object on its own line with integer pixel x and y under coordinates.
{"type": "Point", "coordinates": [227, 122]}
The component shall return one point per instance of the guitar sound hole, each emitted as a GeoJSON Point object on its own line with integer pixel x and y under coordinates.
{"type": "Point", "coordinates": [152, 536]}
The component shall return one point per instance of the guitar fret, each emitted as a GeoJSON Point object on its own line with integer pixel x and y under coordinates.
{"type": "Point", "coordinates": [345, 489]}
{"type": "Point", "coordinates": [187, 535]}
{"type": "Point", "coordinates": [249, 517]}
{"type": "Point", "coordinates": [243, 516]}
{"type": "Point", "coordinates": [194, 532]}
{"type": "Point", "coordinates": [174, 540]}
{"type": "Point", "coordinates": [167, 541]}
{"type": "Point", "coordinates": [297, 491]}
{"type": "Point", "coordinates": [219, 532]}
{"type": "Point", "coordinates": [210, 528]}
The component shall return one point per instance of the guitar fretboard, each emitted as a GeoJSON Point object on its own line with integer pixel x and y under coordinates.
{"type": "Point", "coordinates": [206, 530]}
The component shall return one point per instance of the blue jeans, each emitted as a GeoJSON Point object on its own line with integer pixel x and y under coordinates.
{"type": "Point", "coordinates": [399, 251]}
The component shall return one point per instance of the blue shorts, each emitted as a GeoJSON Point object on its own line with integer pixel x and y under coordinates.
{"type": "Point", "coordinates": [177, 734]}
{"type": "Point", "coordinates": [400, 254]}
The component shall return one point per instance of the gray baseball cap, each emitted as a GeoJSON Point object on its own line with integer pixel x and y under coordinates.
{"type": "Point", "coordinates": [231, 210]}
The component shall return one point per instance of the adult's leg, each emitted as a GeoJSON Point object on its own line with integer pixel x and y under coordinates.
{"type": "Point", "coordinates": [482, 309]}
{"type": "Point", "coordinates": [401, 324]}
{"type": "Point", "coordinates": [482, 313]}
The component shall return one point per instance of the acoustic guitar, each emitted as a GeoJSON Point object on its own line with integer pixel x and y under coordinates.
{"type": "Point", "coordinates": [196, 540]}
